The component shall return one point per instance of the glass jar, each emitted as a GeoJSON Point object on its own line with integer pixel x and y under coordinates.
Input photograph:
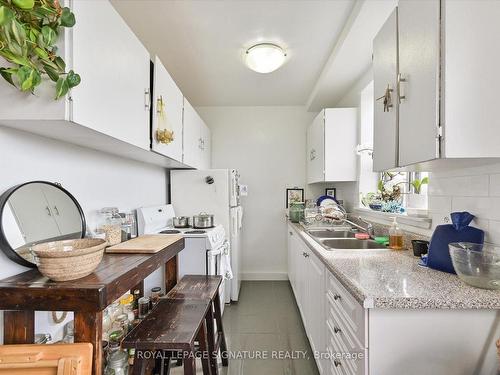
{"type": "Point", "coordinates": [296, 211]}
{"type": "Point", "coordinates": [143, 307]}
{"type": "Point", "coordinates": [114, 310]}
{"type": "Point", "coordinates": [117, 364]}
{"type": "Point", "coordinates": [106, 323]}
{"type": "Point", "coordinates": [110, 223]}
{"type": "Point", "coordinates": [155, 295]}
{"type": "Point", "coordinates": [127, 304]}
{"type": "Point", "coordinates": [122, 323]}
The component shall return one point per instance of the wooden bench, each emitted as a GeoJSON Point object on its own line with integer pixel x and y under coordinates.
{"type": "Point", "coordinates": [201, 287]}
{"type": "Point", "coordinates": [173, 326]}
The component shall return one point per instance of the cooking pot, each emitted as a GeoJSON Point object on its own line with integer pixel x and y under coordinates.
{"type": "Point", "coordinates": [203, 220]}
{"type": "Point", "coordinates": [181, 221]}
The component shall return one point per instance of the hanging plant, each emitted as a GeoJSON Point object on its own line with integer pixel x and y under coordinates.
{"type": "Point", "coordinates": [29, 31]}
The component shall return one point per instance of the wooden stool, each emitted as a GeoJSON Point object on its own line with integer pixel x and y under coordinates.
{"type": "Point", "coordinates": [201, 287]}
{"type": "Point", "coordinates": [174, 325]}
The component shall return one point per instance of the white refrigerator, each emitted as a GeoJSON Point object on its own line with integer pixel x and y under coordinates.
{"type": "Point", "coordinates": [217, 192]}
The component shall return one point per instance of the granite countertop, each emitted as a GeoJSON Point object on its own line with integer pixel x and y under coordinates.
{"type": "Point", "coordinates": [389, 279]}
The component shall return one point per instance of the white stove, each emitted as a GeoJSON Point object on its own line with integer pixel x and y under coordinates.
{"type": "Point", "coordinates": [206, 251]}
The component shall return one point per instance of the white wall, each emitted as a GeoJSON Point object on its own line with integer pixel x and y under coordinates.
{"type": "Point", "coordinates": [267, 145]}
{"type": "Point", "coordinates": [95, 179]}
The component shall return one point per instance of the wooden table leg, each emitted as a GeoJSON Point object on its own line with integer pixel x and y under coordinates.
{"type": "Point", "coordinates": [88, 328]}
{"type": "Point", "coordinates": [171, 273]}
{"type": "Point", "coordinates": [19, 327]}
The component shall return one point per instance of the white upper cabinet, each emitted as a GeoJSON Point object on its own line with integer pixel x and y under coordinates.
{"type": "Point", "coordinates": [331, 146]}
{"type": "Point", "coordinates": [114, 67]}
{"type": "Point", "coordinates": [197, 139]}
{"type": "Point", "coordinates": [385, 72]}
{"type": "Point", "coordinates": [444, 96]}
{"type": "Point", "coordinates": [419, 39]}
{"type": "Point", "coordinates": [112, 97]}
{"type": "Point", "coordinates": [167, 114]}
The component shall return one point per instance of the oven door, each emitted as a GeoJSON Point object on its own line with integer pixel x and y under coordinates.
{"type": "Point", "coordinates": [214, 268]}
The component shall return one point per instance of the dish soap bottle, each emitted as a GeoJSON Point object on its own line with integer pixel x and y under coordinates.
{"type": "Point", "coordinates": [395, 236]}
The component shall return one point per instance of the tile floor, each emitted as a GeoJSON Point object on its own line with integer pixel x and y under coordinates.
{"type": "Point", "coordinates": [265, 320]}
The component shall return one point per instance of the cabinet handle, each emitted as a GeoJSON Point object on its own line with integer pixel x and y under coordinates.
{"type": "Point", "coordinates": [48, 211]}
{"type": "Point", "coordinates": [147, 99]}
{"type": "Point", "coordinates": [312, 155]}
{"type": "Point", "coordinates": [337, 329]}
{"type": "Point", "coordinates": [401, 78]}
{"type": "Point", "coordinates": [56, 210]}
{"type": "Point", "coordinates": [336, 297]}
{"type": "Point", "coordinates": [337, 363]}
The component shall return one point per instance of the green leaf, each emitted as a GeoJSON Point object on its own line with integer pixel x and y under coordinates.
{"type": "Point", "coordinates": [73, 79]}
{"type": "Point", "coordinates": [40, 52]}
{"type": "Point", "coordinates": [425, 180]}
{"type": "Point", "coordinates": [20, 60]}
{"type": "Point", "coordinates": [7, 75]}
{"type": "Point", "coordinates": [6, 15]}
{"type": "Point", "coordinates": [67, 18]}
{"type": "Point", "coordinates": [24, 4]}
{"type": "Point", "coordinates": [60, 63]}
{"type": "Point", "coordinates": [380, 185]}
{"type": "Point", "coordinates": [18, 32]}
{"type": "Point", "coordinates": [62, 87]}
{"type": "Point", "coordinates": [51, 72]}
{"type": "Point", "coordinates": [49, 36]}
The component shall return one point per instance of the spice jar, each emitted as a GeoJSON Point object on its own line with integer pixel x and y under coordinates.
{"type": "Point", "coordinates": [110, 225]}
{"type": "Point", "coordinates": [122, 323]}
{"type": "Point", "coordinates": [143, 307]}
{"type": "Point", "coordinates": [155, 295]}
{"type": "Point", "coordinates": [126, 303]}
{"type": "Point", "coordinates": [117, 364]}
{"type": "Point", "coordinates": [135, 303]}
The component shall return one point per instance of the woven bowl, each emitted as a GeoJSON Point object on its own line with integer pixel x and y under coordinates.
{"type": "Point", "coordinates": [69, 259]}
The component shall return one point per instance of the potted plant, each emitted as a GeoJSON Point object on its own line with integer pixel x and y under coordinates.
{"type": "Point", "coordinates": [415, 201]}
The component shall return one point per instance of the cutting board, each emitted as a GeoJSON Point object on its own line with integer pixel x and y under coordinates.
{"type": "Point", "coordinates": [146, 244]}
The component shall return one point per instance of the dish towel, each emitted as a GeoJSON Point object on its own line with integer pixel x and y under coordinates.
{"type": "Point", "coordinates": [225, 262]}
{"type": "Point", "coordinates": [240, 217]}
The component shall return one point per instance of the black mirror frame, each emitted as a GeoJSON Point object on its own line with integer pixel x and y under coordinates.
{"type": "Point", "coordinates": [4, 244]}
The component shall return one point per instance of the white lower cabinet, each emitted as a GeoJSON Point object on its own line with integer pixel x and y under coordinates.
{"type": "Point", "coordinates": [379, 341]}
{"type": "Point", "coordinates": [307, 277]}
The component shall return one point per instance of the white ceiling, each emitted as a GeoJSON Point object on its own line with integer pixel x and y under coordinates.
{"type": "Point", "coordinates": [201, 43]}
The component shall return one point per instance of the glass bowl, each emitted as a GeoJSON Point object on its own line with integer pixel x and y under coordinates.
{"type": "Point", "coordinates": [477, 265]}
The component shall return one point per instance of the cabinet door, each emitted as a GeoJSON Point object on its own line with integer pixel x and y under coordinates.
{"type": "Point", "coordinates": [385, 71]}
{"type": "Point", "coordinates": [192, 136]}
{"type": "Point", "coordinates": [316, 149]}
{"type": "Point", "coordinates": [64, 211]}
{"type": "Point", "coordinates": [167, 112]}
{"type": "Point", "coordinates": [340, 139]}
{"type": "Point", "coordinates": [114, 67]}
{"type": "Point", "coordinates": [316, 305]}
{"type": "Point", "coordinates": [419, 55]}
{"type": "Point", "coordinates": [206, 147]}
{"type": "Point", "coordinates": [290, 254]}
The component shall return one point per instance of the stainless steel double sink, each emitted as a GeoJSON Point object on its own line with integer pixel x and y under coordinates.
{"type": "Point", "coordinates": [332, 239]}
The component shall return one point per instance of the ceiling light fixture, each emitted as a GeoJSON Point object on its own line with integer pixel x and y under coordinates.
{"type": "Point", "coordinates": [265, 57]}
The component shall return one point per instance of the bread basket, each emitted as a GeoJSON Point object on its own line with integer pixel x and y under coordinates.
{"type": "Point", "coordinates": [69, 259]}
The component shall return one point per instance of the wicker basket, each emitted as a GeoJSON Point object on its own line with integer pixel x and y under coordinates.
{"type": "Point", "coordinates": [70, 259]}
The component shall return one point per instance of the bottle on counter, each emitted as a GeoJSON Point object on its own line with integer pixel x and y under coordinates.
{"type": "Point", "coordinates": [155, 295]}
{"type": "Point", "coordinates": [127, 304]}
{"type": "Point", "coordinates": [396, 240]}
{"type": "Point", "coordinates": [117, 363]}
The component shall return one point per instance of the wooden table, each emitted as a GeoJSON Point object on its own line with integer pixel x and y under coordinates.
{"type": "Point", "coordinates": [28, 292]}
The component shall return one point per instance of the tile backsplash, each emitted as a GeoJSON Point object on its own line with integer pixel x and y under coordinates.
{"type": "Point", "coordinates": [473, 189]}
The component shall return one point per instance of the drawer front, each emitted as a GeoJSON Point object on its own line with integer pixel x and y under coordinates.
{"type": "Point", "coordinates": [340, 327]}
{"type": "Point", "coordinates": [353, 361]}
{"type": "Point", "coordinates": [351, 312]}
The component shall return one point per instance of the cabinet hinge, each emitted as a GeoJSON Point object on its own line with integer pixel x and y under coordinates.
{"type": "Point", "coordinates": [439, 138]}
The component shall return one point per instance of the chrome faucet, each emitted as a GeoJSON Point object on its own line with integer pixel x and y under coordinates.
{"type": "Point", "coordinates": [369, 226]}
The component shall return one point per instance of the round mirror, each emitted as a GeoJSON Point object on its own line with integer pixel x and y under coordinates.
{"type": "Point", "coordinates": [37, 212]}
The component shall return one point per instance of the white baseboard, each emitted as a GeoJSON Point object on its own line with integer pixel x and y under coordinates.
{"type": "Point", "coordinates": [264, 276]}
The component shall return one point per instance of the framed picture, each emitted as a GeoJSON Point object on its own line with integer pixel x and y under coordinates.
{"type": "Point", "coordinates": [331, 192]}
{"type": "Point", "coordinates": [294, 195]}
